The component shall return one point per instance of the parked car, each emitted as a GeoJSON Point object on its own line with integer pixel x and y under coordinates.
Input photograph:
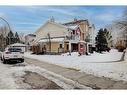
{"type": "Point", "coordinates": [12, 54]}
{"type": "Point", "coordinates": [0, 54]}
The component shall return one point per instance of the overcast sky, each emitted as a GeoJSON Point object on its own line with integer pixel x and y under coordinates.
{"type": "Point", "coordinates": [27, 19]}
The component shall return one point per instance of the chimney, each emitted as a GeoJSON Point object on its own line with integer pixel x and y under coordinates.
{"type": "Point", "coordinates": [75, 19]}
{"type": "Point", "coordinates": [52, 19]}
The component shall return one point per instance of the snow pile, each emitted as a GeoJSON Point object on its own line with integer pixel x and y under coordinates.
{"type": "Point", "coordinates": [6, 79]}
{"type": "Point", "coordinates": [96, 64]}
{"type": "Point", "coordinates": [72, 54]}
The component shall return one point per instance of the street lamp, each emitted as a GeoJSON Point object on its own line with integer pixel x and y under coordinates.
{"type": "Point", "coordinates": [6, 23]}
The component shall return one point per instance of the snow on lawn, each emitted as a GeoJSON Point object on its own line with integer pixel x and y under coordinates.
{"type": "Point", "coordinates": [96, 64]}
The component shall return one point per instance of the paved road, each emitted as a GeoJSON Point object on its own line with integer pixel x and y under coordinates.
{"type": "Point", "coordinates": [80, 78]}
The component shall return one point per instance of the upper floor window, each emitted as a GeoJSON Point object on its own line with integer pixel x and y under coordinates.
{"type": "Point", "coordinates": [73, 32]}
{"type": "Point", "coordinates": [78, 32]}
{"type": "Point", "coordinates": [60, 46]}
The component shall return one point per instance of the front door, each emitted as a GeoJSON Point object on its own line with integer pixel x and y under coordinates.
{"type": "Point", "coordinates": [74, 47]}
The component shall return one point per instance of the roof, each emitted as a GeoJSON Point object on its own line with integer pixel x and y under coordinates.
{"type": "Point", "coordinates": [53, 40]}
{"type": "Point", "coordinates": [18, 44]}
{"type": "Point", "coordinates": [58, 24]}
{"type": "Point", "coordinates": [75, 22]}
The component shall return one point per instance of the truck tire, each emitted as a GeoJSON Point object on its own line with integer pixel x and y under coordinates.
{"type": "Point", "coordinates": [5, 61]}
{"type": "Point", "coordinates": [1, 59]}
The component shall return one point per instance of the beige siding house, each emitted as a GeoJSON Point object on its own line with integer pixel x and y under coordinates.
{"type": "Point", "coordinates": [51, 35]}
{"type": "Point", "coordinates": [55, 37]}
{"type": "Point", "coordinates": [54, 29]}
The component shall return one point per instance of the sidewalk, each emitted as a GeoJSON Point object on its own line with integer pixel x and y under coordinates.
{"type": "Point", "coordinates": [88, 80]}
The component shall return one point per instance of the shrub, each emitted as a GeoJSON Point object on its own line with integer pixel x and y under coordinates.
{"type": "Point", "coordinates": [120, 48]}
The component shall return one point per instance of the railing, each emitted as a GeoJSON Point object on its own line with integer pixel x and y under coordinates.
{"type": "Point", "coordinates": [73, 37]}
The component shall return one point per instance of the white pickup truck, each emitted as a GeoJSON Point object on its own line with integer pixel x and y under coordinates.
{"type": "Point", "coordinates": [12, 54]}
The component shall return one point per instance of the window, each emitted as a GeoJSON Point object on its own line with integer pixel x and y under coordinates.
{"type": "Point", "coordinates": [73, 32]}
{"type": "Point", "coordinates": [60, 45]}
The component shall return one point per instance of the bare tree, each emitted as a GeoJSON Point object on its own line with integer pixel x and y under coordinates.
{"type": "Point", "coordinates": [122, 24]}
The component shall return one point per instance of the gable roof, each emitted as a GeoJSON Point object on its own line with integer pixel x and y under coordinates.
{"type": "Point", "coordinates": [75, 22]}
{"type": "Point", "coordinates": [57, 24]}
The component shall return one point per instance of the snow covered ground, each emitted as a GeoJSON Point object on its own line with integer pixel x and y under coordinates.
{"type": "Point", "coordinates": [11, 77]}
{"type": "Point", "coordinates": [96, 64]}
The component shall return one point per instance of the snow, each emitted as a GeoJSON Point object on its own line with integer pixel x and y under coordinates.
{"type": "Point", "coordinates": [9, 74]}
{"type": "Point", "coordinates": [6, 81]}
{"type": "Point", "coordinates": [53, 40]}
{"type": "Point", "coordinates": [73, 27]}
{"type": "Point", "coordinates": [104, 64]}
{"type": "Point", "coordinates": [18, 44]}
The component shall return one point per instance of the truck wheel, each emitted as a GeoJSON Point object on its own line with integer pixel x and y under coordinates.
{"type": "Point", "coordinates": [4, 61]}
{"type": "Point", "coordinates": [1, 59]}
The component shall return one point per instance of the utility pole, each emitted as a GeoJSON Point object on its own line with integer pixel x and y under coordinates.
{"type": "Point", "coordinates": [49, 38]}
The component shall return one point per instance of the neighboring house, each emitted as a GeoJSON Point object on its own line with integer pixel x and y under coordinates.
{"type": "Point", "coordinates": [55, 37]}
{"type": "Point", "coordinates": [86, 33]}
{"type": "Point", "coordinates": [29, 39]}
{"type": "Point", "coordinates": [92, 35]}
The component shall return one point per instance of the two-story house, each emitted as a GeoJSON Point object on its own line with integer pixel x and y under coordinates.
{"type": "Point", "coordinates": [55, 37]}
{"type": "Point", "coordinates": [82, 32]}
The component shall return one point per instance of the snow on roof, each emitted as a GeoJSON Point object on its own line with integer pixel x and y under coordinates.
{"type": "Point", "coordinates": [17, 44]}
{"type": "Point", "coordinates": [53, 40]}
{"type": "Point", "coordinates": [73, 27]}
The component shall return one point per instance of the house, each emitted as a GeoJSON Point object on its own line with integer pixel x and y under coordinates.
{"type": "Point", "coordinates": [55, 37]}
{"type": "Point", "coordinates": [87, 34]}
{"type": "Point", "coordinates": [92, 35]}
{"type": "Point", "coordinates": [29, 39]}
